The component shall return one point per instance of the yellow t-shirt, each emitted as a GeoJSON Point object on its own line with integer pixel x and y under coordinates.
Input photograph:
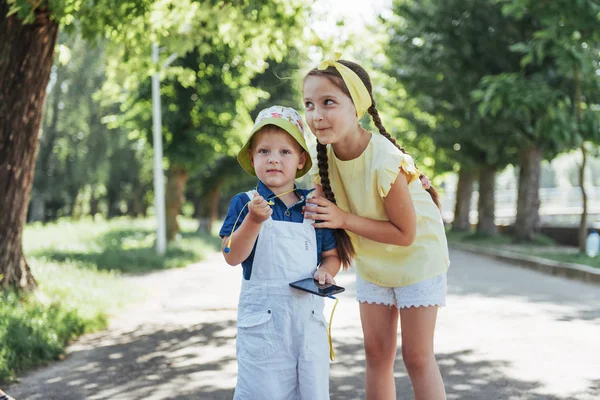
{"type": "Point", "coordinates": [360, 186]}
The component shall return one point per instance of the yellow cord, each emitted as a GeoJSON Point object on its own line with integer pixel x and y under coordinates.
{"type": "Point", "coordinates": [331, 352]}
{"type": "Point", "coordinates": [234, 224]}
{"type": "Point", "coordinates": [271, 202]}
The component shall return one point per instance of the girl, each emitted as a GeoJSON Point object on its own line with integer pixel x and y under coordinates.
{"type": "Point", "coordinates": [378, 201]}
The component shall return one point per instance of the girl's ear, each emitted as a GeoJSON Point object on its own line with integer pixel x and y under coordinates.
{"type": "Point", "coordinates": [302, 161]}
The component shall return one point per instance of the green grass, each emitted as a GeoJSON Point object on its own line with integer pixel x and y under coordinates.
{"type": "Point", "coordinates": [542, 246]}
{"type": "Point", "coordinates": [80, 269]}
{"type": "Point", "coordinates": [124, 245]}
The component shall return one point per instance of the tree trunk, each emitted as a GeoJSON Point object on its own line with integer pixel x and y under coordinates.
{"type": "Point", "coordinates": [130, 208]}
{"type": "Point", "coordinates": [486, 223]}
{"type": "Point", "coordinates": [25, 61]}
{"type": "Point", "coordinates": [112, 200]}
{"type": "Point", "coordinates": [76, 207]}
{"type": "Point", "coordinates": [175, 189]}
{"type": "Point", "coordinates": [94, 203]}
{"type": "Point", "coordinates": [209, 210]}
{"type": "Point", "coordinates": [583, 220]}
{"type": "Point", "coordinates": [464, 192]}
{"type": "Point", "coordinates": [197, 202]}
{"type": "Point", "coordinates": [138, 200]}
{"type": "Point", "coordinates": [37, 208]}
{"type": "Point", "coordinates": [45, 154]}
{"type": "Point", "coordinates": [528, 201]}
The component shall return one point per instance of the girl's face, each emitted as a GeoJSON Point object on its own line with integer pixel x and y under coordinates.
{"type": "Point", "coordinates": [276, 157]}
{"type": "Point", "coordinates": [330, 113]}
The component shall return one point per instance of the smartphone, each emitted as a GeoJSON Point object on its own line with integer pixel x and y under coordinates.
{"type": "Point", "coordinates": [311, 286]}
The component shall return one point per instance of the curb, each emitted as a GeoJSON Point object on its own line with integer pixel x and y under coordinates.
{"type": "Point", "coordinates": [566, 270]}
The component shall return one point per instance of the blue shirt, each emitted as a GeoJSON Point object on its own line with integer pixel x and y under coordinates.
{"type": "Point", "coordinates": [325, 239]}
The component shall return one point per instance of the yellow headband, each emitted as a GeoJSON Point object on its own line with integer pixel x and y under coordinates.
{"type": "Point", "coordinates": [356, 87]}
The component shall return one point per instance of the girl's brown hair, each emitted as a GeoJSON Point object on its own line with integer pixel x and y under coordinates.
{"type": "Point", "coordinates": [345, 247]}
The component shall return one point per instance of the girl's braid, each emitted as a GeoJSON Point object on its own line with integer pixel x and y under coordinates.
{"type": "Point", "coordinates": [377, 120]}
{"type": "Point", "coordinates": [344, 244]}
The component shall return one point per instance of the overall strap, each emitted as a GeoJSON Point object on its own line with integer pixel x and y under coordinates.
{"type": "Point", "coordinates": [250, 194]}
{"type": "Point", "coordinates": [309, 221]}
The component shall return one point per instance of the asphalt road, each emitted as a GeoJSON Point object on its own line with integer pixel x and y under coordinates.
{"type": "Point", "coordinates": [506, 333]}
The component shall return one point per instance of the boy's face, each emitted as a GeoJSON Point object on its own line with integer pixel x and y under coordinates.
{"type": "Point", "coordinates": [276, 157]}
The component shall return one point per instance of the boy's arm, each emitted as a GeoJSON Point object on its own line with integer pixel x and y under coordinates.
{"type": "Point", "coordinates": [242, 242]}
{"type": "Point", "coordinates": [330, 266]}
{"type": "Point", "coordinates": [243, 239]}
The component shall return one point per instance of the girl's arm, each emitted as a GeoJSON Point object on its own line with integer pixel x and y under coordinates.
{"type": "Point", "coordinates": [399, 230]}
{"type": "Point", "coordinates": [243, 239]}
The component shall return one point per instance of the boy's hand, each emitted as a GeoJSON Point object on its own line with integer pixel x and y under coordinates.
{"type": "Point", "coordinates": [323, 277]}
{"type": "Point", "coordinates": [259, 209]}
{"type": "Point", "coordinates": [4, 395]}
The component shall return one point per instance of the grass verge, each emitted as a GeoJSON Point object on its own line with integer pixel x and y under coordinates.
{"type": "Point", "coordinates": [80, 268]}
{"type": "Point", "coordinates": [543, 247]}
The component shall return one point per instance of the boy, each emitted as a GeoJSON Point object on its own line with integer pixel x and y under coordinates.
{"type": "Point", "coordinates": [282, 346]}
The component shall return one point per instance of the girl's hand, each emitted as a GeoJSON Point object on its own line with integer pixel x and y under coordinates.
{"type": "Point", "coordinates": [323, 277]}
{"type": "Point", "coordinates": [319, 208]}
{"type": "Point", "coordinates": [259, 210]}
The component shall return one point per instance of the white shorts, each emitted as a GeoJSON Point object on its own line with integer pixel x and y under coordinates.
{"type": "Point", "coordinates": [430, 292]}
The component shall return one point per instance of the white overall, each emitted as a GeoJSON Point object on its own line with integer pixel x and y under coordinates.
{"type": "Point", "coordinates": [282, 346]}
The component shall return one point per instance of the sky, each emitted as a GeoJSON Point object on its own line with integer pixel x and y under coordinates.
{"type": "Point", "coordinates": [355, 13]}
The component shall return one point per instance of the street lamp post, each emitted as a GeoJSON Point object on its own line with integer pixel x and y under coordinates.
{"type": "Point", "coordinates": [159, 178]}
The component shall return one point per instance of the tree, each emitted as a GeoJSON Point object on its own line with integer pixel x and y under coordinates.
{"type": "Point", "coordinates": [280, 85]}
{"type": "Point", "coordinates": [72, 161]}
{"type": "Point", "coordinates": [544, 99]}
{"type": "Point", "coordinates": [440, 53]}
{"type": "Point", "coordinates": [28, 33]}
{"type": "Point", "coordinates": [569, 34]}
{"type": "Point", "coordinates": [209, 93]}
{"type": "Point", "coordinates": [25, 62]}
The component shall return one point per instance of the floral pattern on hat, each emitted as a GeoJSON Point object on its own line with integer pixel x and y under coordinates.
{"type": "Point", "coordinates": [281, 112]}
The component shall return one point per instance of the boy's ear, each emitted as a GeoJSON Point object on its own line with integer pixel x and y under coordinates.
{"type": "Point", "coordinates": [302, 160]}
{"type": "Point", "coordinates": [251, 158]}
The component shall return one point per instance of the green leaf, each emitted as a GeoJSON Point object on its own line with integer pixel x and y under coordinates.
{"type": "Point", "coordinates": [526, 60]}
{"type": "Point", "coordinates": [13, 10]}
{"type": "Point", "coordinates": [520, 47]}
{"type": "Point", "coordinates": [64, 54]}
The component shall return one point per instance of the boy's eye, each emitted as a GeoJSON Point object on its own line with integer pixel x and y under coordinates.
{"type": "Point", "coordinates": [263, 151]}
{"type": "Point", "coordinates": [307, 104]}
{"type": "Point", "coordinates": [328, 102]}
{"type": "Point", "coordinates": [286, 152]}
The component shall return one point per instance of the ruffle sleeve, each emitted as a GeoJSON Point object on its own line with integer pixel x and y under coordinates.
{"type": "Point", "coordinates": [391, 165]}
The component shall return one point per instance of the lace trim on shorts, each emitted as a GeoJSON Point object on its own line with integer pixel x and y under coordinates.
{"type": "Point", "coordinates": [428, 293]}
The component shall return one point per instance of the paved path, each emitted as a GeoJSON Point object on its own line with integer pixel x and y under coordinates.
{"type": "Point", "coordinates": [506, 333]}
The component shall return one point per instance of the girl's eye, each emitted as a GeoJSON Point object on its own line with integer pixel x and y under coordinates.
{"type": "Point", "coordinates": [328, 102]}
{"type": "Point", "coordinates": [263, 151]}
{"type": "Point", "coordinates": [307, 104]}
{"type": "Point", "coordinates": [286, 152]}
